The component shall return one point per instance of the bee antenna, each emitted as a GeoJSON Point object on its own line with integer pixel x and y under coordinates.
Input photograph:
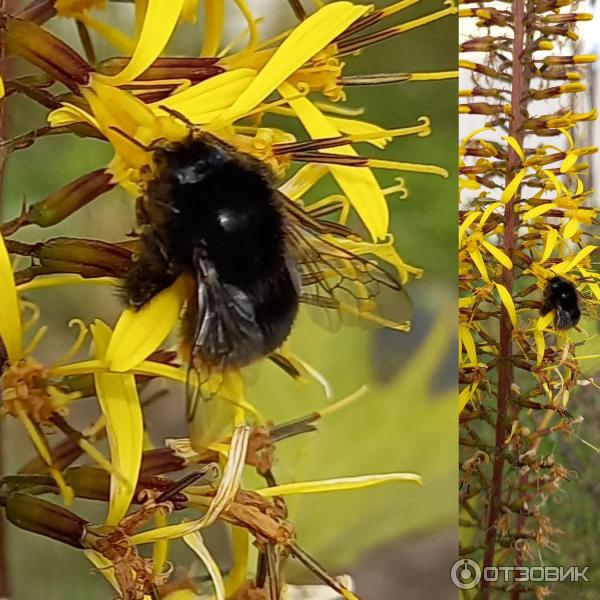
{"type": "Point", "coordinates": [130, 138]}
{"type": "Point", "coordinates": [175, 113]}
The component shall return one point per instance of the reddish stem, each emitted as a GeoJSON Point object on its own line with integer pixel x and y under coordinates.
{"type": "Point", "coordinates": [520, 85]}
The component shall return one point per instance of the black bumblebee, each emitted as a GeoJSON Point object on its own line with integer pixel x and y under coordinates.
{"type": "Point", "coordinates": [561, 296]}
{"type": "Point", "coordinates": [214, 214]}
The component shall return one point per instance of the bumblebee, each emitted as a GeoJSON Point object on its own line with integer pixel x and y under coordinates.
{"type": "Point", "coordinates": [254, 256]}
{"type": "Point", "coordinates": [561, 296]}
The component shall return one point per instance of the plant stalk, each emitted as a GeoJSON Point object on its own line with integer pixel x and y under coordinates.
{"type": "Point", "coordinates": [520, 85]}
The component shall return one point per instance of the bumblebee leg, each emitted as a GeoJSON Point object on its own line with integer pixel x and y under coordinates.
{"type": "Point", "coordinates": [148, 275]}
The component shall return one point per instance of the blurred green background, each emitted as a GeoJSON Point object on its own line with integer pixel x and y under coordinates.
{"type": "Point", "coordinates": [398, 540]}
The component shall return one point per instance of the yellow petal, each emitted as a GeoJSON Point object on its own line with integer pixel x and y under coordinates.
{"type": "Point", "coordinates": [240, 540]}
{"type": "Point", "coordinates": [468, 343]}
{"type": "Point", "coordinates": [477, 259]}
{"type": "Point", "coordinates": [337, 484]}
{"type": "Point", "coordinates": [119, 402]}
{"type": "Point", "coordinates": [469, 220]}
{"type": "Point", "coordinates": [558, 186]}
{"type": "Point", "coordinates": [537, 211]}
{"type": "Point", "coordinates": [540, 345]}
{"type": "Point", "coordinates": [465, 395]}
{"type": "Point", "coordinates": [513, 186]}
{"type": "Point", "coordinates": [160, 549]}
{"type": "Point", "coordinates": [116, 109]}
{"type": "Point", "coordinates": [568, 162]}
{"type": "Point", "coordinates": [196, 543]}
{"type": "Point", "coordinates": [550, 244]}
{"type": "Point", "coordinates": [160, 20]}
{"type": "Point", "coordinates": [508, 302]}
{"type": "Point", "coordinates": [358, 183]}
{"type": "Point", "coordinates": [104, 566]}
{"type": "Point", "coordinates": [498, 254]}
{"type": "Point", "coordinates": [11, 331]}
{"type": "Point", "coordinates": [488, 212]}
{"type": "Point", "coordinates": [516, 147]}
{"type": "Point", "coordinates": [214, 17]}
{"type": "Point", "coordinates": [202, 102]}
{"type": "Point", "coordinates": [139, 333]}
{"type": "Point", "coordinates": [2, 89]}
{"type": "Point", "coordinates": [306, 40]}
{"type": "Point", "coordinates": [571, 228]}
{"type": "Point", "coordinates": [567, 265]}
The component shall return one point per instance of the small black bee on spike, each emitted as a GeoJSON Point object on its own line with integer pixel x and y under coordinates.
{"type": "Point", "coordinates": [561, 296]}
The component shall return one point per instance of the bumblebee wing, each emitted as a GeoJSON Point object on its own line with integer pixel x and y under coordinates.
{"type": "Point", "coordinates": [348, 287]}
{"type": "Point", "coordinates": [590, 307]}
{"type": "Point", "coordinates": [219, 329]}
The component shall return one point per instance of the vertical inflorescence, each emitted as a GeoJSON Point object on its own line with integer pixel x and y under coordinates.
{"type": "Point", "coordinates": [525, 220]}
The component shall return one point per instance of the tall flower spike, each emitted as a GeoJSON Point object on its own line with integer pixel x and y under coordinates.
{"type": "Point", "coordinates": [524, 202]}
{"type": "Point", "coordinates": [136, 102]}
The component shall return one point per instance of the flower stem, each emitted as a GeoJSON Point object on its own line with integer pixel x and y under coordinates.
{"type": "Point", "coordinates": [520, 84]}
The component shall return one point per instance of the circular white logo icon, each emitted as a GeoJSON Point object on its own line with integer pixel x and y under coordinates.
{"type": "Point", "coordinates": [465, 574]}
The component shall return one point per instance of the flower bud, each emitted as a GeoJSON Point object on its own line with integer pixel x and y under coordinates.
{"type": "Point", "coordinates": [194, 69]}
{"type": "Point", "coordinates": [46, 51]}
{"type": "Point", "coordinates": [45, 518]}
{"type": "Point", "coordinates": [69, 198]}
{"type": "Point", "coordinates": [89, 258]}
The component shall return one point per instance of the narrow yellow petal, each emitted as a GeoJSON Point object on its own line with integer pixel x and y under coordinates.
{"type": "Point", "coordinates": [469, 220]}
{"type": "Point", "coordinates": [549, 245]}
{"type": "Point", "coordinates": [540, 345]}
{"type": "Point", "coordinates": [104, 566]}
{"type": "Point", "coordinates": [114, 36]}
{"type": "Point", "coordinates": [475, 255]}
{"type": "Point", "coordinates": [513, 186]}
{"type": "Point", "coordinates": [159, 23]}
{"type": "Point", "coordinates": [214, 17]}
{"type": "Point", "coordinates": [240, 540]}
{"type": "Point", "coordinates": [571, 228]}
{"type": "Point", "coordinates": [338, 484]}
{"type": "Point", "coordinates": [358, 183]}
{"type": "Point", "coordinates": [2, 88]}
{"type": "Point", "coordinates": [465, 395]}
{"type": "Point", "coordinates": [306, 40]}
{"type": "Point", "coordinates": [119, 402]}
{"type": "Point", "coordinates": [568, 162]}
{"type": "Point", "coordinates": [160, 549]}
{"type": "Point", "coordinates": [508, 303]}
{"type": "Point", "coordinates": [537, 211]}
{"type": "Point", "coordinates": [117, 109]}
{"type": "Point", "coordinates": [512, 142]}
{"type": "Point", "coordinates": [544, 321]}
{"type": "Point", "coordinates": [196, 543]}
{"type": "Point", "coordinates": [11, 330]}
{"type": "Point", "coordinates": [202, 102]}
{"type": "Point", "coordinates": [488, 212]}
{"type": "Point", "coordinates": [468, 342]}
{"type": "Point", "coordinates": [558, 186]}
{"type": "Point", "coordinates": [498, 254]}
{"type": "Point", "coordinates": [567, 265]}
{"type": "Point", "coordinates": [139, 333]}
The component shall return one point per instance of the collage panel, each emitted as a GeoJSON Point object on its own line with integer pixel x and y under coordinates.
{"type": "Point", "coordinates": [227, 299]}
{"type": "Point", "coordinates": [529, 301]}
